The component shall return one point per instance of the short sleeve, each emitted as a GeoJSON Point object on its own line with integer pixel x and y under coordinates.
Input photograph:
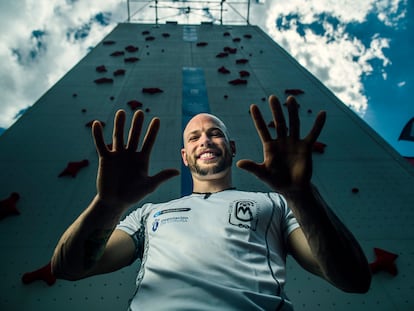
{"type": "Point", "coordinates": [134, 225]}
{"type": "Point", "coordinates": [132, 222]}
{"type": "Point", "coordinates": [288, 220]}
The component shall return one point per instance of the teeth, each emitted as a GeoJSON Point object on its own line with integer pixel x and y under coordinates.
{"type": "Point", "coordinates": [207, 155]}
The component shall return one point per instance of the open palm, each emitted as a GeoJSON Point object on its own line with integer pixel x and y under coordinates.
{"type": "Point", "coordinates": [287, 162]}
{"type": "Point", "coordinates": [123, 171]}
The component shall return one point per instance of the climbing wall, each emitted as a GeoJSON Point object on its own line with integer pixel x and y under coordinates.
{"type": "Point", "coordinates": [48, 161]}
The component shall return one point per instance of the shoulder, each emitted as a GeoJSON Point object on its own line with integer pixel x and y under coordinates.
{"type": "Point", "coordinates": [174, 202]}
{"type": "Point", "coordinates": [268, 196]}
{"type": "Point", "coordinates": [138, 215]}
{"type": "Point", "coordinates": [149, 207]}
{"type": "Point", "coordinates": [271, 200]}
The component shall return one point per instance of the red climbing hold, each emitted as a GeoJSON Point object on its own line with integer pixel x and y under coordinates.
{"type": "Point", "coordinates": [108, 42]}
{"type": "Point", "coordinates": [131, 48]}
{"type": "Point", "coordinates": [151, 90]}
{"type": "Point", "coordinates": [294, 91]}
{"type": "Point", "coordinates": [242, 61]}
{"type": "Point", "coordinates": [244, 74]}
{"type": "Point", "coordinates": [118, 53]}
{"type": "Point", "coordinates": [104, 81]}
{"type": "Point", "coordinates": [238, 82]}
{"type": "Point", "coordinates": [222, 55]}
{"type": "Point", "coordinates": [319, 147]}
{"type": "Point", "coordinates": [73, 168]}
{"type": "Point", "coordinates": [43, 274]}
{"type": "Point", "coordinates": [230, 50]}
{"type": "Point", "coordinates": [101, 68]}
{"type": "Point", "coordinates": [201, 44]}
{"type": "Point", "coordinates": [8, 206]}
{"type": "Point", "coordinates": [134, 104]}
{"type": "Point", "coordinates": [131, 59]}
{"type": "Point", "coordinates": [223, 69]}
{"type": "Point", "coordinates": [385, 261]}
{"type": "Point", "coordinates": [119, 72]}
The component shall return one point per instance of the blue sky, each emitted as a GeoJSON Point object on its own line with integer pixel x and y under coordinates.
{"type": "Point", "coordinates": [361, 50]}
{"type": "Point", "coordinates": [390, 101]}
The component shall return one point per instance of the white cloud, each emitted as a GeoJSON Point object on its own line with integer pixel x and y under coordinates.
{"type": "Point", "coordinates": [346, 10]}
{"type": "Point", "coordinates": [332, 63]}
{"type": "Point", "coordinates": [390, 12]}
{"type": "Point", "coordinates": [25, 81]}
{"type": "Point", "coordinates": [334, 56]}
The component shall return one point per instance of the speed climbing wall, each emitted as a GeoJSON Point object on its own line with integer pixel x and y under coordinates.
{"type": "Point", "coordinates": [48, 161]}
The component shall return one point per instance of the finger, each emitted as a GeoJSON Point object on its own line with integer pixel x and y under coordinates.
{"type": "Point", "coordinates": [278, 116]}
{"type": "Point", "coordinates": [118, 133]}
{"type": "Point", "coordinates": [150, 136]}
{"type": "Point", "coordinates": [135, 130]}
{"type": "Point", "coordinates": [164, 175]}
{"type": "Point", "coordinates": [260, 124]}
{"type": "Point", "coordinates": [249, 166]}
{"type": "Point", "coordinates": [98, 138]}
{"type": "Point", "coordinates": [317, 128]}
{"type": "Point", "coordinates": [294, 121]}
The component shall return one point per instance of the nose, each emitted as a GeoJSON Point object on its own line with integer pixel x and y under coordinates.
{"type": "Point", "coordinates": [205, 140]}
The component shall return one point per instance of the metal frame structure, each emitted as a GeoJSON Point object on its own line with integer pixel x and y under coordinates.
{"type": "Point", "coordinates": [212, 11]}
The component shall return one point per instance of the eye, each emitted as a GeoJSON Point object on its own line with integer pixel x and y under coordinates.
{"type": "Point", "coordinates": [217, 133]}
{"type": "Point", "coordinates": [192, 138]}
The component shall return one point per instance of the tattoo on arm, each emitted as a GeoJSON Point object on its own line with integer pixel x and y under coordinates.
{"type": "Point", "coordinates": [95, 246]}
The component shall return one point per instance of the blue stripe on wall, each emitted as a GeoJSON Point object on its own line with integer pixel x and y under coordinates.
{"type": "Point", "coordinates": [195, 101]}
{"type": "Point", "coordinates": [190, 34]}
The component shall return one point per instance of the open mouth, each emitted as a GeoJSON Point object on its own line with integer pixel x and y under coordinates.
{"type": "Point", "coordinates": [208, 155]}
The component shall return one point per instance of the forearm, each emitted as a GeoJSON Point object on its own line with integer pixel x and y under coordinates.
{"type": "Point", "coordinates": [83, 243]}
{"type": "Point", "coordinates": [336, 250]}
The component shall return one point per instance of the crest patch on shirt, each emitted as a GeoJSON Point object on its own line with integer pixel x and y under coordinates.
{"type": "Point", "coordinates": [161, 217]}
{"type": "Point", "coordinates": [244, 214]}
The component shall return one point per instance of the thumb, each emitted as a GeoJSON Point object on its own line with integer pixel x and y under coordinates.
{"type": "Point", "coordinates": [258, 170]}
{"type": "Point", "coordinates": [164, 176]}
{"type": "Point", "coordinates": [249, 166]}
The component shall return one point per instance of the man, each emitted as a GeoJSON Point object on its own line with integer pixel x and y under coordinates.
{"type": "Point", "coordinates": [218, 248]}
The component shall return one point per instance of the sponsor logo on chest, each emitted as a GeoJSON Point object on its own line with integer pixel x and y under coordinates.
{"type": "Point", "coordinates": [244, 214]}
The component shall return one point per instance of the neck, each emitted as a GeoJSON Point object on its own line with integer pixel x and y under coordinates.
{"type": "Point", "coordinates": [211, 184]}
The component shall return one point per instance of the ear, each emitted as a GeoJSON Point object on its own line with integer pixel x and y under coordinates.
{"type": "Point", "coordinates": [184, 156]}
{"type": "Point", "coordinates": [233, 147]}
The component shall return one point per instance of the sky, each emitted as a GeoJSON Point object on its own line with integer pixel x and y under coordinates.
{"type": "Point", "coordinates": [360, 49]}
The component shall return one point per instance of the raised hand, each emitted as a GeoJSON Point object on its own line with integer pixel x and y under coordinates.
{"type": "Point", "coordinates": [287, 163]}
{"type": "Point", "coordinates": [123, 171]}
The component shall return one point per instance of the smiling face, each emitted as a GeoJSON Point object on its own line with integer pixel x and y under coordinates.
{"type": "Point", "coordinates": [207, 150]}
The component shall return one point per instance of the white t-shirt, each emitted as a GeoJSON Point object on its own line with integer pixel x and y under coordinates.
{"type": "Point", "coordinates": [224, 251]}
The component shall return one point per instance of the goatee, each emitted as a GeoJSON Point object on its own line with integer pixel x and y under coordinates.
{"type": "Point", "coordinates": [220, 166]}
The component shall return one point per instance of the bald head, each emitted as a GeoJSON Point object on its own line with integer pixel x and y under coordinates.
{"type": "Point", "coordinates": [207, 150]}
{"type": "Point", "coordinates": [203, 120]}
